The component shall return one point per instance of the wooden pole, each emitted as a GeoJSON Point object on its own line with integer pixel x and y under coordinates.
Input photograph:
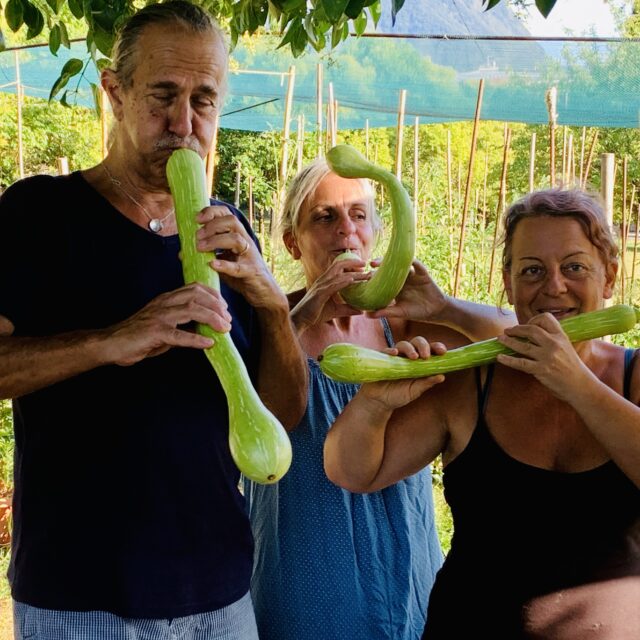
{"type": "Point", "coordinates": [335, 122]}
{"type": "Point", "coordinates": [571, 160]}
{"type": "Point", "coordinates": [416, 161]}
{"type": "Point", "coordinates": [467, 191]}
{"type": "Point", "coordinates": [250, 196]}
{"type": "Point", "coordinates": [564, 156]}
{"type": "Point", "coordinates": [623, 229]}
{"type": "Point", "coordinates": [400, 132]}
{"type": "Point", "coordinates": [300, 141]}
{"type": "Point", "coordinates": [587, 168]}
{"type": "Point", "coordinates": [532, 162]}
{"type": "Point", "coordinates": [582, 145]}
{"type": "Point", "coordinates": [500, 208]}
{"type": "Point", "coordinates": [211, 156]}
{"type": "Point", "coordinates": [607, 175]}
{"type": "Point", "coordinates": [63, 166]}
{"type": "Point", "coordinates": [320, 150]}
{"type": "Point", "coordinates": [19, 96]}
{"type": "Point", "coordinates": [284, 158]}
{"type": "Point", "coordinates": [450, 203]}
{"type": "Point", "coordinates": [236, 198]}
{"type": "Point", "coordinates": [551, 98]}
{"type": "Point", "coordinates": [104, 126]}
{"type": "Point", "coordinates": [331, 134]}
{"type": "Point", "coordinates": [366, 138]}
{"type": "Point", "coordinates": [635, 252]}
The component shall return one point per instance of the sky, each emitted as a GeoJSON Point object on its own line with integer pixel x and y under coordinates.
{"type": "Point", "coordinates": [577, 16]}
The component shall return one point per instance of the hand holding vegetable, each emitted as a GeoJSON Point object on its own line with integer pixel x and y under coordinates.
{"type": "Point", "coordinates": [350, 363]}
{"type": "Point", "coordinates": [259, 444]}
{"type": "Point", "coordinates": [321, 302]}
{"type": "Point", "coordinates": [160, 324]}
{"type": "Point", "coordinates": [389, 278]}
{"type": "Point", "coordinates": [541, 348]}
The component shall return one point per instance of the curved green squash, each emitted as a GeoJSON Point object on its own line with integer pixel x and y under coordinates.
{"type": "Point", "coordinates": [259, 444]}
{"type": "Point", "coordinates": [388, 279]}
{"type": "Point", "coordinates": [347, 362]}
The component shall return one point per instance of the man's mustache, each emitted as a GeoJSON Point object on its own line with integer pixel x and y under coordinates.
{"type": "Point", "coordinates": [176, 142]}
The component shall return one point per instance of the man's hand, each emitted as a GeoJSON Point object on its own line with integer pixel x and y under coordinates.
{"type": "Point", "coordinates": [160, 325]}
{"type": "Point", "coordinates": [238, 260]}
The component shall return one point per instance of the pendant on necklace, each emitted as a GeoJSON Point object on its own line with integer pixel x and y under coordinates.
{"type": "Point", "coordinates": [155, 225]}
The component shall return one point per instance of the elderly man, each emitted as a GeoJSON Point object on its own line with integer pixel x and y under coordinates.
{"type": "Point", "coordinates": [128, 520]}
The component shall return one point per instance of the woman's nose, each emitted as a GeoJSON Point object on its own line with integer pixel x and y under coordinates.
{"type": "Point", "coordinates": [346, 226]}
{"type": "Point", "coordinates": [555, 282]}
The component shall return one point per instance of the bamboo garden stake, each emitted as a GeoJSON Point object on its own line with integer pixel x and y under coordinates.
{"type": "Point", "coordinates": [551, 98]}
{"type": "Point", "coordinates": [467, 191]}
{"type": "Point", "coordinates": [592, 147]}
{"type": "Point", "coordinates": [500, 207]}
{"type": "Point", "coordinates": [532, 161]}
{"type": "Point", "coordinates": [400, 133]}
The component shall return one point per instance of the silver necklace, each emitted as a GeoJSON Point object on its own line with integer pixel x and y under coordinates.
{"type": "Point", "coordinates": [155, 224]}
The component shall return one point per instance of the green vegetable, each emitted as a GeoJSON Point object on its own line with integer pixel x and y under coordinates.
{"type": "Point", "coordinates": [349, 363]}
{"type": "Point", "coordinates": [259, 444]}
{"type": "Point", "coordinates": [388, 279]}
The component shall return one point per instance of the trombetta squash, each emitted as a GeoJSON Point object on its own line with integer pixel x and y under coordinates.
{"type": "Point", "coordinates": [347, 362]}
{"type": "Point", "coordinates": [259, 444]}
{"type": "Point", "coordinates": [388, 279]}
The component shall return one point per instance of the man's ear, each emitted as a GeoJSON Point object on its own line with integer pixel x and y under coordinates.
{"type": "Point", "coordinates": [112, 88]}
{"type": "Point", "coordinates": [610, 273]}
{"type": "Point", "coordinates": [291, 244]}
{"type": "Point", "coordinates": [506, 281]}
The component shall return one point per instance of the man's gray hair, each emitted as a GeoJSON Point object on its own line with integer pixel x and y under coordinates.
{"type": "Point", "coordinates": [304, 184]}
{"type": "Point", "coordinates": [180, 13]}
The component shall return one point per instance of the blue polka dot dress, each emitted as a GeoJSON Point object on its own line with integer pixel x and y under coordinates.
{"type": "Point", "coordinates": [335, 565]}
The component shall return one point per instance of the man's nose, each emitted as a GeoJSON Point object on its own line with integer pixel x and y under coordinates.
{"type": "Point", "coordinates": [180, 118]}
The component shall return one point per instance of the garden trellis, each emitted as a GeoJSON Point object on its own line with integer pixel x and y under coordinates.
{"type": "Point", "coordinates": [434, 77]}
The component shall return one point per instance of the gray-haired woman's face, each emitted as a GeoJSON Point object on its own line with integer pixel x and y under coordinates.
{"type": "Point", "coordinates": [337, 216]}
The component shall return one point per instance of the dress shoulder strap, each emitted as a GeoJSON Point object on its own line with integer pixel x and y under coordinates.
{"type": "Point", "coordinates": [630, 356]}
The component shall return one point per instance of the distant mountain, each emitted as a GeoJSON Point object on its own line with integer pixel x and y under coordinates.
{"type": "Point", "coordinates": [462, 18]}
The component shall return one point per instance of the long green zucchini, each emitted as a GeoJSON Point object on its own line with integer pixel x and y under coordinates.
{"type": "Point", "coordinates": [259, 444]}
{"type": "Point", "coordinates": [388, 279]}
{"type": "Point", "coordinates": [347, 362]}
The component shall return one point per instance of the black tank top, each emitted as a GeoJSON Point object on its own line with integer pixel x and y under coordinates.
{"type": "Point", "coordinates": [522, 532]}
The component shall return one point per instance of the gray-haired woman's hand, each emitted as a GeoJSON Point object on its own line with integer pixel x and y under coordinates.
{"type": "Point", "coordinates": [322, 302]}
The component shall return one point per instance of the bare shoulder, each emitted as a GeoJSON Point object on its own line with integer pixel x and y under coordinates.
{"type": "Point", "coordinates": [432, 332]}
{"type": "Point", "coordinates": [6, 326]}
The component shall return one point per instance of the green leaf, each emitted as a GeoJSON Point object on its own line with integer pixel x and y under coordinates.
{"type": "Point", "coordinates": [14, 14]}
{"type": "Point", "coordinates": [354, 8]}
{"type": "Point", "coordinates": [490, 4]}
{"type": "Point", "coordinates": [63, 100]}
{"type": "Point", "coordinates": [102, 64]}
{"type": "Point", "coordinates": [375, 10]}
{"type": "Point", "coordinates": [76, 8]}
{"type": "Point", "coordinates": [360, 24]}
{"type": "Point", "coordinates": [103, 40]}
{"type": "Point", "coordinates": [72, 67]}
{"type": "Point", "coordinates": [396, 5]}
{"type": "Point", "coordinates": [54, 40]}
{"type": "Point", "coordinates": [55, 7]}
{"type": "Point", "coordinates": [336, 35]}
{"type": "Point", "coordinates": [334, 9]}
{"type": "Point", "coordinates": [64, 35]}
{"type": "Point", "coordinates": [34, 19]}
{"type": "Point", "coordinates": [97, 98]}
{"type": "Point", "coordinates": [545, 6]}
{"type": "Point", "coordinates": [3, 46]}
